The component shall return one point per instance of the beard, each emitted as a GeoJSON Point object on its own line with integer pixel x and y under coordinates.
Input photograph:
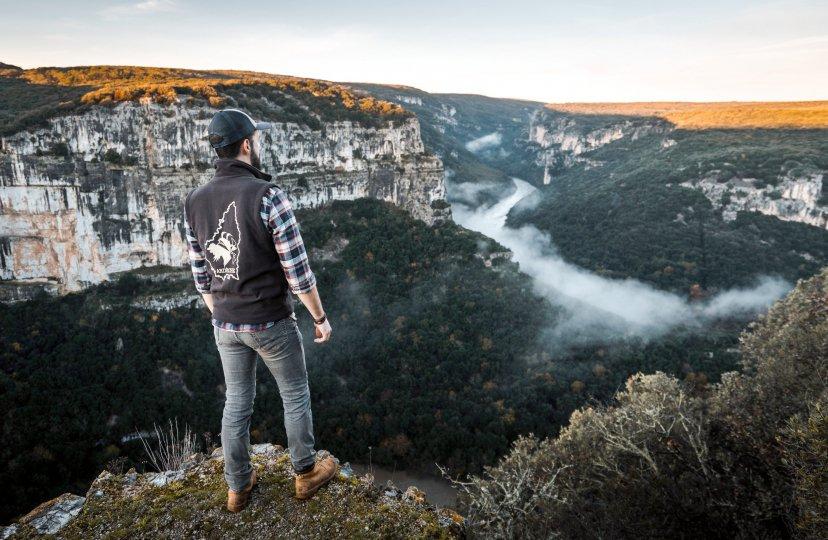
{"type": "Point", "coordinates": [255, 159]}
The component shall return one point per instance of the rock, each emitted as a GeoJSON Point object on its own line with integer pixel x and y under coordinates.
{"type": "Point", "coordinates": [345, 470]}
{"type": "Point", "coordinates": [794, 198]}
{"type": "Point", "coordinates": [562, 141]}
{"type": "Point", "coordinates": [391, 491]}
{"type": "Point", "coordinates": [104, 476]}
{"type": "Point", "coordinates": [451, 520]}
{"type": "Point", "coordinates": [322, 454]}
{"type": "Point", "coordinates": [413, 494]}
{"type": "Point", "coordinates": [191, 504]}
{"type": "Point", "coordinates": [343, 160]}
{"type": "Point", "coordinates": [51, 516]}
{"type": "Point", "coordinates": [265, 448]}
{"type": "Point", "coordinates": [164, 478]}
{"type": "Point", "coordinates": [192, 460]}
{"type": "Point", "coordinates": [131, 476]}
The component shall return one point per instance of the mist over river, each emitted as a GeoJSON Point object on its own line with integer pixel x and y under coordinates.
{"type": "Point", "coordinates": [599, 309]}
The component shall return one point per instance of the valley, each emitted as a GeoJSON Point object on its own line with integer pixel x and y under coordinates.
{"type": "Point", "coordinates": [690, 198]}
{"type": "Point", "coordinates": [489, 265]}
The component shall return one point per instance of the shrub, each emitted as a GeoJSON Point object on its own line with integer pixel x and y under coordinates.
{"type": "Point", "coordinates": [746, 459]}
{"type": "Point", "coordinates": [127, 285]}
{"type": "Point", "coordinates": [112, 156]}
{"type": "Point", "coordinates": [59, 149]}
{"type": "Point", "coordinates": [805, 443]}
{"type": "Point", "coordinates": [116, 158]}
{"type": "Point", "coordinates": [173, 447]}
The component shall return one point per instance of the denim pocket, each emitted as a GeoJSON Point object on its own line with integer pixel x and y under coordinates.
{"type": "Point", "coordinates": [268, 336]}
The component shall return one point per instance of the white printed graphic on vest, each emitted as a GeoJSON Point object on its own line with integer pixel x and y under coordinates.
{"type": "Point", "coordinates": [223, 246]}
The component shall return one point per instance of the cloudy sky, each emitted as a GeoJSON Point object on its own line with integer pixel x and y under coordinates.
{"type": "Point", "coordinates": [546, 50]}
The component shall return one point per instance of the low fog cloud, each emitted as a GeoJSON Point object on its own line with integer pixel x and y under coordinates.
{"type": "Point", "coordinates": [486, 141]}
{"type": "Point", "coordinates": [465, 192]}
{"type": "Point", "coordinates": [598, 309]}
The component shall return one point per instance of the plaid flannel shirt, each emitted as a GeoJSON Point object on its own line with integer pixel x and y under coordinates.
{"type": "Point", "coordinates": [277, 215]}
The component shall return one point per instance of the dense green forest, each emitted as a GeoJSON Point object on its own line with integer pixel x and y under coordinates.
{"type": "Point", "coordinates": [433, 359]}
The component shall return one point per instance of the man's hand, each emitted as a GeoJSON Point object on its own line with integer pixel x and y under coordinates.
{"type": "Point", "coordinates": [314, 305]}
{"type": "Point", "coordinates": [322, 331]}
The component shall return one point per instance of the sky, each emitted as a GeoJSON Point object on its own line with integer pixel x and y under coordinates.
{"type": "Point", "coordinates": [549, 51]}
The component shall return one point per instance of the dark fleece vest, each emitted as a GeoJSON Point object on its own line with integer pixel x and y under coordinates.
{"type": "Point", "coordinates": [248, 282]}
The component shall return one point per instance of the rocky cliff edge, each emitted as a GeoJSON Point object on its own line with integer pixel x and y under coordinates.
{"type": "Point", "coordinates": [190, 503]}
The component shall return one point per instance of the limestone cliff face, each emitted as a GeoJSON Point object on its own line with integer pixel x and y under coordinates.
{"type": "Point", "coordinates": [102, 191]}
{"type": "Point", "coordinates": [795, 197]}
{"type": "Point", "coordinates": [563, 140]}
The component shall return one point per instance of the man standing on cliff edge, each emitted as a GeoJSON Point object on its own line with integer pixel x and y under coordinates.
{"type": "Point", "coordinates": [247, 256]}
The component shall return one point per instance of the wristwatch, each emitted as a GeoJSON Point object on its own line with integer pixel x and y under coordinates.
{"type": "Point", "coordinates": [320, 320]}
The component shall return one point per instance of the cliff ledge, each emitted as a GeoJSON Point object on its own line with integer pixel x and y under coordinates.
{"type": "Point", "coordinates": [190, 503]}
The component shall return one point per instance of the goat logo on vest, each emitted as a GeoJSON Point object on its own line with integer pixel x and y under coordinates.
{"type": "Point", "coordinates": [223, 246]}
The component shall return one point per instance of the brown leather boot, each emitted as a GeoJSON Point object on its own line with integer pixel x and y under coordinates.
{"type": "Point", "coordinates": [308, 483]}
{"type": "Point", "coordinates": [237, 500]}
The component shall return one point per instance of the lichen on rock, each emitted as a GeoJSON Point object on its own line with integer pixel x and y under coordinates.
{"type": "Point", "coordinates": [191, 503]}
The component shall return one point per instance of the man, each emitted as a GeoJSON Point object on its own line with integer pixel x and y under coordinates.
{"type": "Point", "coordinates": [247, 255]}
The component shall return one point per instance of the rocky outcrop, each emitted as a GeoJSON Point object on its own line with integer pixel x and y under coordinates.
{"type": "Point", "coordinates": [562, 139]}
{"type": "Point", "coordinates": [190, 503]}
{"type": "Point", "coordinates": [792, 198]}
{"type": "Point", "coordinates": [48, 518]}
{"type": "Point", "coordinates": [101, 191]}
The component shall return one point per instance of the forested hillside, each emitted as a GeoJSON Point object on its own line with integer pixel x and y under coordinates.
{"type": "Point", "coordinates": [450, 121]}
{"type": "Point", "coordinates": [630, 215]}
{"type": "Point", "coordinates": [28, 97]}
{"type": "Point", "coordinates": [685, 196]}
{"type": "Point", "coordinates": [745, 458]}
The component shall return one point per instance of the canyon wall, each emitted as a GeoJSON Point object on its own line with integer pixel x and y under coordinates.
{"type": "Point", "coordinates": [102, 191]}
{"type": "Point", "coordinates": [563, 141]}
{"type": "Point", "coordinates": [795, 197]}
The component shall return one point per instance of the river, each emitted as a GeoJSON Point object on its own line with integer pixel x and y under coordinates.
{"type": "Point", "coordinates": [597, 308]}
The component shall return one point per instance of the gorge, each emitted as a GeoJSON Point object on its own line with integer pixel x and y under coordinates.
{"type": "Point", "coordinates": [490, 265]}
{"type": "Point", "coordinates": [100, 191]}
{"type": "Point", "coordinates": [600, 309]}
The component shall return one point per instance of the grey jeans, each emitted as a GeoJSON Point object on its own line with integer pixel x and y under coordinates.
{"type": "Point", "coordinates": [282, 351]}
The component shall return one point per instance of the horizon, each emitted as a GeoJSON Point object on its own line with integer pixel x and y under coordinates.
{"type": "Point", "coordinates": [401, 86]}
{"type": "Point", "coordinates": [547, 52]}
